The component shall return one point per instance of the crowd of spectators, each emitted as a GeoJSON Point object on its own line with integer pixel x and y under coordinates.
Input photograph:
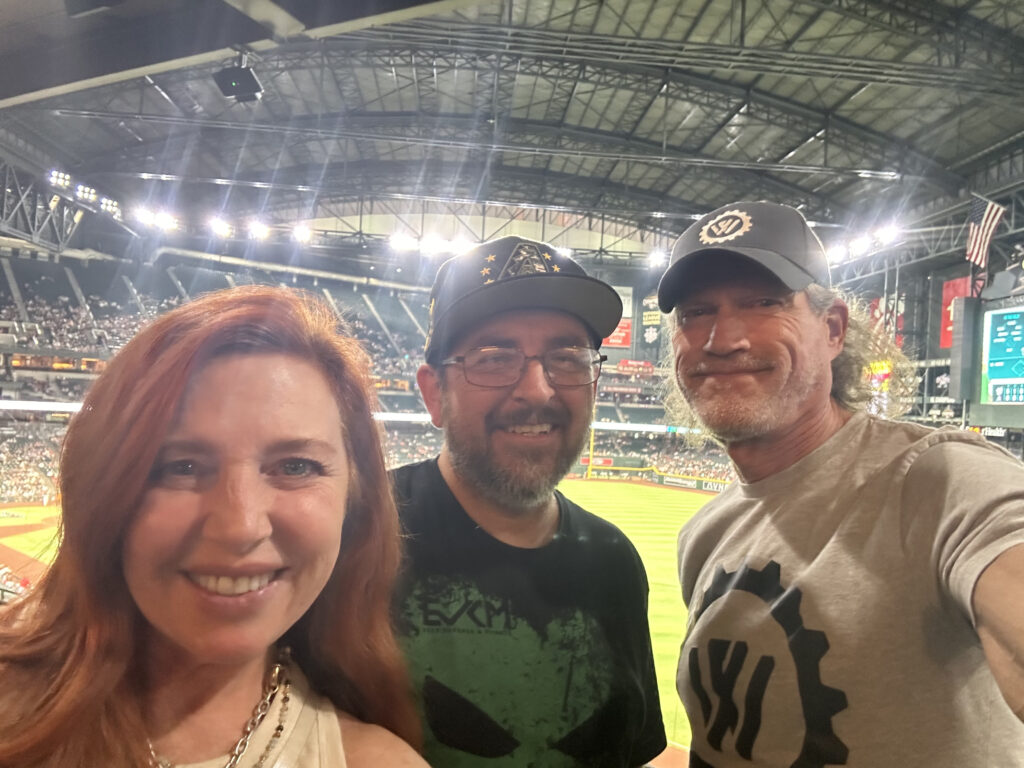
{"type": "Point", "coordinates": [669, 454]}
{"type": "Point", "coordinates": [28, 463]}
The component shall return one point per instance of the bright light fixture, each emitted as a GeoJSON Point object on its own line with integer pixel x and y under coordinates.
{"type": "Point", "coordinates": [657, 258]}
{"type": "Point", "coordinates": [887, 234]}
{"type": "Point", "coordinates": [220, 228]}
{"type": "Point", "coordinates": [837, 254]}
{"type": "Point", "coordinates": [165, 221]}
{"type": "Point", "coordinates": [403, 242]}
{"type": "Point", "coordinates": [145, 216]}
{"type": "Point", "coordinates": [460, 245]}
{"type": "Point", "coordinates": [859, 246]}
{"type": "Point", "coordinates": [302, 233]}
{"type": "Point", "coordinates": [433, 245]}
{"type": "Point", "coordinates": [258, 230]}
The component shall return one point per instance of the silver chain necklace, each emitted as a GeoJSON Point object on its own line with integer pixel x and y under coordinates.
{"type": "Point", "coordinates": [277, 682]}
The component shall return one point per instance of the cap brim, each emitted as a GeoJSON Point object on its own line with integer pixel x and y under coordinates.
{"type": "Point", "coordinates": [594, 302]}
{"type": "Point", "coordinates": [674, 282]}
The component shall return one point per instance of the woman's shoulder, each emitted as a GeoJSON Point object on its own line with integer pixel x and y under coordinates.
{"type": "Point", "coordinates": [369, 746]}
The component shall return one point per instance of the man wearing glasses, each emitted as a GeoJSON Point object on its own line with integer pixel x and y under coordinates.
{"type": "Point", "coordinates": [524, 617]}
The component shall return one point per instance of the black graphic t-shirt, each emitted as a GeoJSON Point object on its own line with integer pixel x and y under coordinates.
{"type": "Point", "coordinates": [524, 657]}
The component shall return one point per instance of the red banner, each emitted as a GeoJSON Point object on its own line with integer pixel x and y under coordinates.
{"type": "Point", "coordinates": [951, 289]}
{"type": "Point", "coordinates": [622, 336]}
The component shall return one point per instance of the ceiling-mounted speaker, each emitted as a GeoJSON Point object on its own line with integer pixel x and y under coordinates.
{"type": "Point", "coordinates": [239, 83]}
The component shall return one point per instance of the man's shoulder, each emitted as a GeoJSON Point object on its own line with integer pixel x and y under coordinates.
{"type": "Point", "coordinates": [409, 476]}
{"type": "Point", "coordinates": [595, 529]}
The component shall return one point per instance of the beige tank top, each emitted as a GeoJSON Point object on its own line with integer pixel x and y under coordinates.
{"type": "Point", "coordinates": [311, 737]}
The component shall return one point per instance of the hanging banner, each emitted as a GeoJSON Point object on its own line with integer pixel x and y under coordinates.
{"type": "Point", "coordinates": [622, 336]}
{"type": "Point", "coordinates": [951, 289]}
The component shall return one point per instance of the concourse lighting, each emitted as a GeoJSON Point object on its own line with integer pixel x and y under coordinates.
{"type": "Point", "coordinates": [258, 230]}
{"type": "Point", "coordinates": [402, 242]}
{"type": "Point", "coordinates": [859, 246]}
{"type": "Point", "coordinates": [657, 258]}
{"type": "Point", "coordinates": [59, 179]}
{"type": "Point", "coordinates": [301, 233]}
{"type": "Point", "coordinates": [887, 234]}
{"type": "Point", "coordinates": [220, 228]}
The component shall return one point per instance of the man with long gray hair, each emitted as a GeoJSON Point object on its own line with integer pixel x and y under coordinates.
{"type": "Point", "coordinates": [855, 597]}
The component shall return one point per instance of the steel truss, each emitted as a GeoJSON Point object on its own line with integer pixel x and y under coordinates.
{"type": "Point", "coordinates": [34, 212]}
{"type": "Point", "coordinates": [939, 239]}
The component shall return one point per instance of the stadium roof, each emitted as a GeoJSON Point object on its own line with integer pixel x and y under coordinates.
{"type": "Point", "coordinates": [643, 112]}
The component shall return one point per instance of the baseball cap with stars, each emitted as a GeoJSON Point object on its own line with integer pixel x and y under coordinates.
{"type": "Point", "coordinates": [513, 273]}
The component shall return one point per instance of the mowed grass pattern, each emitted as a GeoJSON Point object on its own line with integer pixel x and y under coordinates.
{"type": "Point", "coordinates": [651, 516]}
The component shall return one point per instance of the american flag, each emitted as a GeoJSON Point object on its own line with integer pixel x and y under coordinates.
{"type": "Point", "coordinates": [981, 223]}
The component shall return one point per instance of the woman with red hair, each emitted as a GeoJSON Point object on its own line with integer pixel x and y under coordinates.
{"type": "Point", "coordinates": [220, 595]}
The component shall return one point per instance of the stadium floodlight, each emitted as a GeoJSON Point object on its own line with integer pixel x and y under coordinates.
{"type": "Point", "coordinates": [165, 221]}
{"type": "Point", "coordinates": [859, 246]}
{"type": "Point", "coordinates": [887, 234]}
{"type": "Point", "coordinates": [657, 258]}
{"type": "Point", "coordinates": [460, 245]}
{"type": "Point", "coordinates": [837, 254]}
{"type": "Point", "coordinates": [59, 179]}
{"type": "Point", "coordinates": [401, 242]}
{"type": "Point", "coordinates": [301, 233]}
{"type": "Point", "coordinates": [108, 205]}
{"type": "Point", "coordinates": [220, 228]}
{"type": "Point", "coordinates": [88, 194]}
{"type": "Point", "coordinates": [144, 216]}
{"type": "Point", "coordinates": [434, 245]}
{"type": "Point", "coordinates": [258, 230]}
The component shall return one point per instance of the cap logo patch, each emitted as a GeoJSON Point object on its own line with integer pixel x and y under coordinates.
{"type": "Point", "coordinates": [526, 259]}
{"type": "Point", "coordinates": [726, 226]}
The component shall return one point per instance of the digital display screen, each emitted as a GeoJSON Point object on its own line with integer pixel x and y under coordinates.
{"type": "Point", "coordinates": [1002, 356]}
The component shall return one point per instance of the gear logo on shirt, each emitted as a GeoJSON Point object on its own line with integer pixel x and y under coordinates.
{"type": "Point", "coordinates": [726, 681]}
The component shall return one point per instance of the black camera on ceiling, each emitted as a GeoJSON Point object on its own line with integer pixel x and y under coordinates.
{"type": "Point", "coordinates": [238, 82]}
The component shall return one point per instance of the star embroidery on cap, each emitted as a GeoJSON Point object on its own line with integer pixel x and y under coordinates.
{"type": "Point", "coordinates": [492, 257]}
{"type": "Point", "coordinates": [556, 268]}
{"type": "Point", "coordinates": [485, 271]}
{"type": "Point", "coordinates": [547, 256]}
{"type": "Point", "coordinates": [489, 281]}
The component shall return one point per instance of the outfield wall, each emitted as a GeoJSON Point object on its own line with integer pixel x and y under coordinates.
{"type": "Point", "coordinates": [632, 468]}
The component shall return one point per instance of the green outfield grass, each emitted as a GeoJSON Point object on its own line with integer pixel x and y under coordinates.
{"type": "Point", "coordinates": [651, 516]}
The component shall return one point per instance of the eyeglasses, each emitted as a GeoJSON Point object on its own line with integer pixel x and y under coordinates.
{"type": "Point", "coordinates": [504, 366]}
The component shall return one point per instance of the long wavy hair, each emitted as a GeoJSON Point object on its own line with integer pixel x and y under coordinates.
{"type": "Point", "coordinates": [866, 342]}
{"type": "Point", "coordinates": [69, 651]}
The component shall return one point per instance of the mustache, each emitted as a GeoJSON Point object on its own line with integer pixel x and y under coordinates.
{"type": "Point", "coordinates": [746, 364]}
{"type": "Point", "coordinates": [548, 414]}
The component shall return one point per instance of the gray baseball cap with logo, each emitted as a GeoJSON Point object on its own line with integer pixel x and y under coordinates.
{"type": "Point", "coordinates": [775, 236]}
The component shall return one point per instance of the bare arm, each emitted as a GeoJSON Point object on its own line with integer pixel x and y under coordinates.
{"type": "Point", "coordinates": [999, 616]}
{"type": "Point", "coordinates": [370, 746]}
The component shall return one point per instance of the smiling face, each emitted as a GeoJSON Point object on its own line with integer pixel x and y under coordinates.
{"type": "Point", "coordinates": [513, 444]}
{"type": "Point", "coordinates": [240, 528]}
{"type": "Point", "coordinates": [752, 358]}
